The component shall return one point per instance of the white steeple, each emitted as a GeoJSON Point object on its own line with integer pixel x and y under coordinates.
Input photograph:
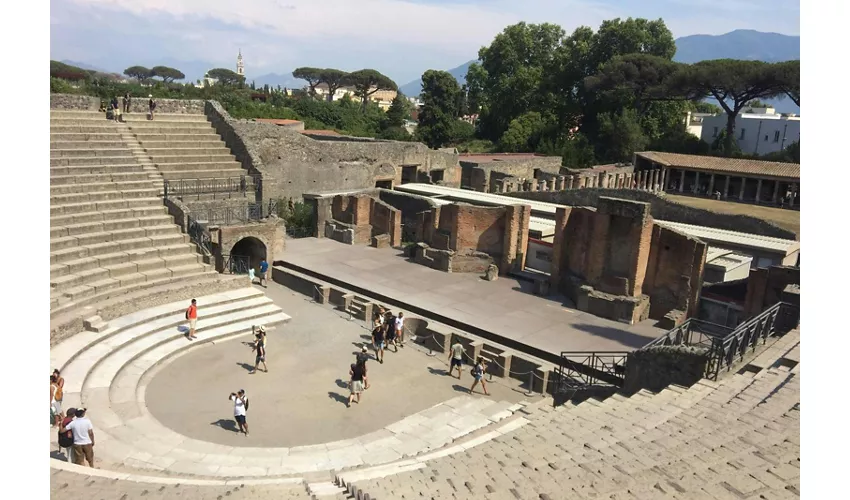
{"type": "Point", "coordinates": [240, 66]}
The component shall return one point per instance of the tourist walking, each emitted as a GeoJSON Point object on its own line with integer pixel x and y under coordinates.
{"type": "Point", "coordinates": [378, 338]}
{"type": "Point", "coordinates": [151, 105]}
{"type": "Point", "coordinates": [66, 439]}
{"type": "Point", "coordinates": [192, 317]}
{"type": "Point", "coordinates": [456, 358]}
{"type": "Point", "coordinates": [361, 359]}
{"type": "Point", "coordinates": [399, 328]}
{"type": "Point", "coordinates": [264, 273]}
{"type": "Point", "coordinates": [55, 402]}
{"type": "Point", "coordinates": [127, 102]}
{"type": "Point", "coordinates": [389, 327]}
{"type": "Point", "coordinates": [240, 409]}
{"type": "Point", "coordinates": [116, 110]}
{"type": "Point", "coordinates": [356, 373]}
{"type": "Point", "coordinates": [478, 375]}
{"type": "Point", "coordinates": [83, 432]}
{"type": "Point", "coordinates": [260, 348]}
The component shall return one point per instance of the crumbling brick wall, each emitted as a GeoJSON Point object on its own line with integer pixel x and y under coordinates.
{"type": "Point", "coordinates": [355, 218]}
{"type": "Point", "coordinates": [674, 273]}
{"type": "Point", "coordinates": [765, 287]}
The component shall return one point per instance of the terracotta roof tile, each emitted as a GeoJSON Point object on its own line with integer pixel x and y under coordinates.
{"type": "Point", "coordinates": [719, 164]}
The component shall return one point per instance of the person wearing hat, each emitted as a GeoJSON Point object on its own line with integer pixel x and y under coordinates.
{"type": "Point", "coordinates": [260, 349]}
{"type": "Point", "coordinates": [83, 433]}
{"type": "Point", "coordinates": [151, 104]}
{"type": "Point", "coordinates": [362, 357]}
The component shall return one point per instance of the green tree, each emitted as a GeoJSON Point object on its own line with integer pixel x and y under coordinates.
{"type": "Point", "coordinates": [523, 134]}
{"type": "Point", "coordinates": [734, 84]}
{"type": "Point", "coordinates": [704, 107]}
{"type": "Point", "coordinates": [167, 74]}
{"type": "Point", "coordinates": [399, 111]}
{"type": "Point", "coordinates": [622, 135]}
{"type": "Point", "coordinates": [476, 76]}
{"type": "Point", "coordinates": [439, 108]}
{"type": "Point", "coordinates": [640, 79]}
{"type": "Point", "coordinates": [787, 75]}
{"type": "Point", "coordinates": [140, 73]}
{"type": "Point", "coordinates": [368, 81]}
{"type": "Point", "coordinates": [313, 77]}
{"type": "Point", "coordinates": [68, 72]}
{"type": "Point", "coordinates": [334, 79]}
{"type": "Point", "coordinates": [225, 76]}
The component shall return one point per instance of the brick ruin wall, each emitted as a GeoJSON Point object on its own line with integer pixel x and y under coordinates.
{"type": "Point", "coordinates": [138, 104]}
{"type": "Point", "coordinates": [355, 218]}
{"type": "Point", "coordinates": [674, 275]}
{"type": "Point", "coordinates": [765, 287]}
{"type": "Point", "coordinates": [663, 209]}
{"type": "Point", "coordinates": [484, 176]}
{"type": "Point", "coordinates": [292, 164]}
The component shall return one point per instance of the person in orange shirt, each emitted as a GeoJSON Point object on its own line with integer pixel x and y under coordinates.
{"type": "Point", "coordinates": [192, 316]}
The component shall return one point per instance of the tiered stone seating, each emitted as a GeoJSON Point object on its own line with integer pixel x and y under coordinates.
{"type": "Point", "coordinates": [185, 147]}
{"type": "Point", "coordinates": [738, 438]}
{"type": "Point", "coordinates": [109, 230]}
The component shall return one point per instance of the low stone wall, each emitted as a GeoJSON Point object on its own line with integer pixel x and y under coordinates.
{"type": "Point", "coordinates": [138, 104]}
{"type": "Point", "coordinates": [664, 209]}
{"type": "Point", "coordinates": [657, 367]}
{"type": "Point", "coordinates": [223, 124]}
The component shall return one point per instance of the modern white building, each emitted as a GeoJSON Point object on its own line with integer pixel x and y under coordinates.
{"type": "Point", "coordinates": [758, 130]}
{"type": "Point", "coordinates": [693, 123]}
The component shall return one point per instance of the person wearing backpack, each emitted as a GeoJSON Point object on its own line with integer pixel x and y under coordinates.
{"type": "Point", "coordinates": [66, 439]}
{"type": "Point", "coordinates": [478, 374]}
{"type": "Point", "coordinates": [240, 409]}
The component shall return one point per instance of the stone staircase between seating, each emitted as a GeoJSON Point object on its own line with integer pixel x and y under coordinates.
{"type": "Point", "coordinates": [109, 230]}
{"type": "Point", "coordinates": [738, 439]}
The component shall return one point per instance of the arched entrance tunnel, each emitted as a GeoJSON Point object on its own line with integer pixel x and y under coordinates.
{"type": "Point", "coordinates": [251, 249]}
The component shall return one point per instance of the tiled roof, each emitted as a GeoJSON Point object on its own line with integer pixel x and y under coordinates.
{"type": "Point", "coordinates": [719, 164]}
{"type": "Point", "coordinates": [733, 238]}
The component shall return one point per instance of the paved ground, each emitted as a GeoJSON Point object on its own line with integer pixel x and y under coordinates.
{"type": "Point", "coordinates": [301, 401]}
{"type": "Point", "coordinates": [786, 219]}
{"type": "Point", "coordinates": [505, 306]}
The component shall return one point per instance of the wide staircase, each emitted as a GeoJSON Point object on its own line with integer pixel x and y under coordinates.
{"type": "Point", "coordinates": [738, 438]}
{"type": "Point", "coordinates": [110, 233]}
{"type": "Point", "coordinates": [191, 156]}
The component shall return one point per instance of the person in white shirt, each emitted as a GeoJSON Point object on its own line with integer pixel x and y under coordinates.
{"type": "Point", "coordinates": [240, 407]}
{"type": "Point", "coordinates": [399, 328]}
{"type": "Point", "coordinates": [83, 432]}
{"type": "Point", "coordinates": [456, 359]}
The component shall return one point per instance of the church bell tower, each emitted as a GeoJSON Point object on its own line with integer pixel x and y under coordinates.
{"type": "Point", "coordinates": [240, 66]}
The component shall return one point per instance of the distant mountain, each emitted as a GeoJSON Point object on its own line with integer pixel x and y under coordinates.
{"type": "Point", "coordinates": [738, 44]}
{"type": "Point", "coordinates": [83, 66]}
{"type": "Point", "coordinates": [413, 88]}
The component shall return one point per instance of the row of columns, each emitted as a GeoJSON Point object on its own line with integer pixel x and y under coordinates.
{"type": "Point", "coordinates": [791, 193]}
{"type": "Point", "coordinates": [647, 180]}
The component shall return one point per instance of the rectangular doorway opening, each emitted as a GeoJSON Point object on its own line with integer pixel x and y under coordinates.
{"type": "Point", "coordinates": [408, 173]}
{"type": "Point", "coordinates": [384, 184]}
{"type": "Point", "coordinates": [437, 175]}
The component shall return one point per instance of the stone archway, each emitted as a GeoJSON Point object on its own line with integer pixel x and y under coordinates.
{"type": "Point", "coordinates": [251, 249]}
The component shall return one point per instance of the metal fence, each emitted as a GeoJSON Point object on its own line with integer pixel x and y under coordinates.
{"type": "Point", "coordinates": [225, 186]}
{"type": "Point", "coordinates": [236, 214]}
{"type": "Point", "coordinates": [237, 264]}
{"type": "Point", "coordinates": [199, 235]}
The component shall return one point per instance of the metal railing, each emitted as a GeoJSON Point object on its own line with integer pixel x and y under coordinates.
{"type": "Point", "coordinates": [213, 185]}
{"type": "Point", "coordinates": [581, 369]}
{"type": "Point", "coordinates": [199, 235]}
{"type": "Point", "coordinates": [237, 264]}
{"type": "Point", "coordinates": [236, 214]}
{"type": "Point", "coordinates": [727, 346]}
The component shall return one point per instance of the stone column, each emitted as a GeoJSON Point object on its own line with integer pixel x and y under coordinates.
{"type": "Point", "coordinates": [532, 185]}
{"type": "Point", "coordinates": [726, 189]}
{"type": "Point", "coordinates": [665, 178]}
{"type": "Point", "coordinates": [654, 187]}
{"type": "Point", "coordinates": [711, 185]}
{"type": "Point", "coordinates": [758, 191]}
{"type": "Point", "coordinates": [551, 183]}
{"type": "Point", "coordinates": [682, 182]}
{"type": "Point", "coordinates": [508, 187]}
{"type": "Point", "coordinates": [696, 182]}
{"type": "Point", "coordinates": [640, 180]}
{"type": "Point", "coordinates": [775, 197]}
{"type": "Point", "coordinates": [743, 183]}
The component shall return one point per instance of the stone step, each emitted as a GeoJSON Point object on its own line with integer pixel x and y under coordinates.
{"type": "Point", "coordinates": [74, 247]}
{"type": "Point", "coordinates": [189, 166]}
{"type": "Point", "coordinates": [99, 187]}
{"type": "Point", "coordinates": [220, 173]}
{"type": "Point", "coordinates": [169, 124]}
{"type": "Point", "coordinates": [106, 286]}
{"type": "Point", "coordinates": [108, 127]}
{"type": "Point", "coordinates": [78, 265]}
{"type": "Point", "coordinates": [188, 151]}
{"type": "Point", "coordinates": [212, 142]}
{"type": "Point", "coordinates": [63, 282]}
{"type": "Point", "coordinates": [146, 138]}
{"type": "Point", "coordinates": [108, 225]}
{"type": "Point", "coordinates": [99, 138]}
{"type": "Point", "coordinates": [86, 145]}
{"type": "Point", "coordinates": [129, 117]}
{"type": "Point", "coordinates": [90, 152]}
{"type": "Point", "coordinates": [123, 159]}
{"type": "Point", "coordinates": [96, 206]}
{"type": "Point", "coordinates": [173, 129]}
{"type": "Point", "coordinates": [95, 196]}
{"type": "Point", "coordinates": [223, 156]}
{"type": "Point", "coordinates": [107, 177]}
{"type": "Point", "coordinates": [97, 169]}
{"type": "Point", "coordinates": [103, 215]}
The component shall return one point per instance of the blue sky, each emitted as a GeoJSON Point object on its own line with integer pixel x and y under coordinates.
{"type": "Point", "coordinates": [400, 38]}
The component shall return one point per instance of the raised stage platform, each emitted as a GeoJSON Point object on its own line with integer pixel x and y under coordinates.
{"type": "Point", "coordinates": [504, 310]}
